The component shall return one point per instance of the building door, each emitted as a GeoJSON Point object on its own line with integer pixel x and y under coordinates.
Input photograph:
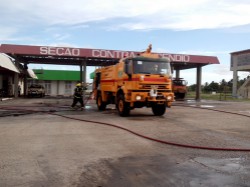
{"type": "Point", "coordinates": [68, 88]}
{"type": "Point", "coordinates": [47, 86]}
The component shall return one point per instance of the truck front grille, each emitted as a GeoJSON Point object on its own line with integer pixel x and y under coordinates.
{"type": "Point", "coordinates": [149, 86]}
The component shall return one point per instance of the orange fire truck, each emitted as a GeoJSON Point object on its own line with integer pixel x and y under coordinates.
{"type": "Point", "coordinates": [135, 82]}
{"type": "Point", "coordinates": [179, 88]}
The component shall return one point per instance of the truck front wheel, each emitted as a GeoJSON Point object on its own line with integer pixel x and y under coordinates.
{"type": "Point", "coordinates": [159, 109]}
{"type": "Point", "coordinates": [122, 106]}
{"type": "Point", "coordinates": [100, 104]}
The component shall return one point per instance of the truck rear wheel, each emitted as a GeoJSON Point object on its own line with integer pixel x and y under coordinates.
{"type": "Point", "coordinates": [180, 95]}
{"type": "Point", "coordinates": [159, 109]}
{"type": "Point", "coordinates": [122, 106]}
{"type": "Point", "coordinates": [100, 104]}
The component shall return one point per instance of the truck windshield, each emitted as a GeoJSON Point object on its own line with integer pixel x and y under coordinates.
{"type": "Point", "coordinates": [151, 67]}
{"type": "Point", "coordinates": [180, 82]}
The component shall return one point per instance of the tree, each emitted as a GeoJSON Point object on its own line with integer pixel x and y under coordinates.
{"type": "Point", "coordinates": [192, 88]}
{"type": "Point", "coordinates": [214, 86]}
{"type": "Point", "coordinates": [206, 88]}
{"type": "Point", "coordinates": [223, 86]}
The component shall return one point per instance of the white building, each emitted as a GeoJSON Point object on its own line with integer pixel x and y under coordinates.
{"type": "Point", "coordinates": [244, 90]}
{"type": "Point", "coordinates": [240, 61]}
{"type": "Point", "coordinates": [56, 82]}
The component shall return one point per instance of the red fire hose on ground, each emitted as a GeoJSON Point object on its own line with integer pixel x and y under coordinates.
{"type": "Point", "coordinates": [147, 137]}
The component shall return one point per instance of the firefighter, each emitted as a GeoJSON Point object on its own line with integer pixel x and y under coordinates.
{"type": "Point", "coordinates": [78, 93]}
{"type": "Point", "coordinates": [156, 68]}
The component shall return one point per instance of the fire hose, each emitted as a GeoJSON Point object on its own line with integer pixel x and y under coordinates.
{"type": "Point", "coordinates": [147, 137]}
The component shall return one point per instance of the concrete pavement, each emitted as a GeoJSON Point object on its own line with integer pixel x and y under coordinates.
{"type": "Point", "coordinates": [40, 149]}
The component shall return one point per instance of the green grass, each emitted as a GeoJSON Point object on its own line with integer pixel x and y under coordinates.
{"type": "Point", "coordinates": [217, 96]}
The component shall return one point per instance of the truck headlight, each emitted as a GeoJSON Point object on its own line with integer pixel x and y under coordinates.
{"type": "Point", "coordinates": [169, 98]}
{"type": "Point", "coordinates": [142, 78]}
{"type": "Point", "coordinates": [138, 98]}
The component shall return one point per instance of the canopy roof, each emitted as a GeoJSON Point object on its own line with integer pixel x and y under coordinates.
{"type": "Point", "coordinates": [7, 63]}
{"type": "Point", "coordinates": [93, 57]}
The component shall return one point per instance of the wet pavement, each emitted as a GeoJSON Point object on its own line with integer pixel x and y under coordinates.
{"type": "Point", "coordinates": [38, 148]}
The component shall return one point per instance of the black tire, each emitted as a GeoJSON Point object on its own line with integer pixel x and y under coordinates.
{"type": "Point", "coordinates": [182, 95]}
{"type": "Point", "coordinates": [122, 106]}
{"type": "Point", "coordinates": [159, 109]}
{"type": "Point", "coordinates": [100, 104]}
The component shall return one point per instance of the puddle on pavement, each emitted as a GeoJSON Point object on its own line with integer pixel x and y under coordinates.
{"type": "Point", "coordinates": [159, 170]}
{"type": "Point", "coordinates": [203, 106]}
{"type": "Point", "coordinates": [206, 106]}
{"type": "Point", "coordinates": [191, 101]}
{"type": "Point", "coordinates": [223, 165]}
{"type": "Point", "coordinates": [88, 107]}
{"type": "Point", "coordinates": [245, 111]}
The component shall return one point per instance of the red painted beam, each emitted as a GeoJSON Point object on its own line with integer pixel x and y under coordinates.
{"type": "Point", "coordinates": [97, 53]}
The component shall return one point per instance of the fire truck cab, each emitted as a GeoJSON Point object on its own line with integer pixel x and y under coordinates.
{"type": "Point", "coordinates": [179, 88]}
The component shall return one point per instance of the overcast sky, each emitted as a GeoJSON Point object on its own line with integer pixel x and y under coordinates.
{"type": "Point", "coordinates": [198, 27]}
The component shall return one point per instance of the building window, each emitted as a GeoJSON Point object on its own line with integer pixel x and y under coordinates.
{"type": "Point", "coordinates": [68, 87]}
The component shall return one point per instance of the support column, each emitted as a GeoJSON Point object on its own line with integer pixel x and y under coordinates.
{"type": "Point", "coordinates": [84, 77]}
{"type": "Point", "coordinates": [177, 72]}
{"type": "Point", "coordinates": [235, 81]}
{"type": "Point", "coordinates": [58, 88]}
{"type": "Point", "coordinates": [15, 85]}
{"type": "Point", "coordinates": [234, 63]}
{"type": "Point", "coordinates": [25, 80]}
{"type": "Point", "coordinates": [198, 83]}
{"type": "Point", "coordinates": [81, 72]}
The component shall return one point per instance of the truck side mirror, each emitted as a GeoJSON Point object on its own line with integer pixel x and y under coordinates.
{"type": "Point", "coordinates": [172, 69]}
{"type": "Point", "coordinates": [128, 67]}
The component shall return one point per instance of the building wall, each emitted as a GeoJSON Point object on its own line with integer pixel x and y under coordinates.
{"type": "Point", "coordinates": [7, 83]}
{"type": "Point", "coordinates": [53, 88]}
{"type": "Point", "coordinates": [244, 93]}
{"type": "Point", "coordinates": [10, 86]}
{"type": "Point", "coordinates": [21, 84]}
{"type": "Point", "coordinates": [240, 61]}
{"type": "Point", "coordinates": [56, 88]}
{"type": "Point", "coordinates": [244, 90]}
{"type": "Point", "coordinates": [59, 88]}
